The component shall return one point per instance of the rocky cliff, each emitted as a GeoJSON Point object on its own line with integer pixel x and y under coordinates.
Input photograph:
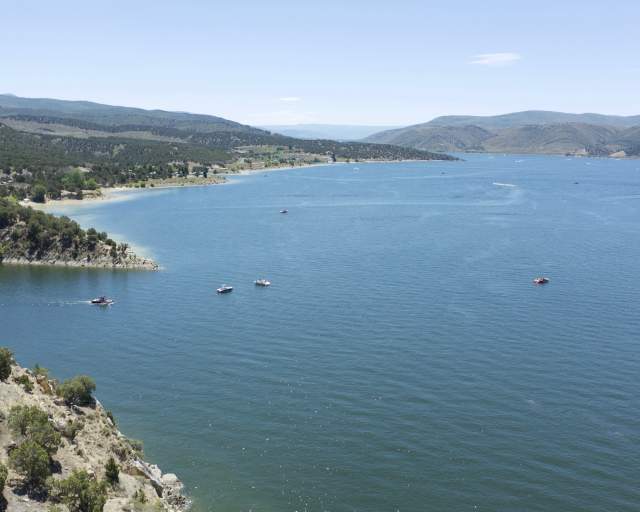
{"type": "Point", "coordinates": [88, 438]}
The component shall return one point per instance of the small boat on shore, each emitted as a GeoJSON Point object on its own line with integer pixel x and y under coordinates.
{"type": "Point", "coordinates": [102, 301]}
{"type": "Point", "coordinates": [284, 211]}
{"type": "Point", "coordinates": [541, 280]}
{"type": "Point", "coordinates": [225, 289]}
{"type": "Point", "coordinates": [262, 282]}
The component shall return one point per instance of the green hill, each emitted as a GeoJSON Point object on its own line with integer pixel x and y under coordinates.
{"type": "Point", "coordinates": [522, 132]}
{"type": "Point", "coordinates": [435, 138]}
{"type": "Point", "coordinates": [114, 116]}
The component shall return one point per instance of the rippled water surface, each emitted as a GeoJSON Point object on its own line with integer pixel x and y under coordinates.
{"type": "Point", "coordinates": [402, 360]}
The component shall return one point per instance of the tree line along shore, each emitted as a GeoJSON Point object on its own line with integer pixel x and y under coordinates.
{"type": "Point", "coordinates": [28, 236]}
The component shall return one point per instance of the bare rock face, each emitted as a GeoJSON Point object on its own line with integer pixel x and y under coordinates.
{"type": "Point", "coordinates": [170, 480]}
{"type": "Point", "coordinates": [167, 486]}
{"type": "Point", "coordinates": [150, 472]}
{"type": "Point", "coordinates": [46, 386]}
{"type": "Point", "coordinates": [117, 505]}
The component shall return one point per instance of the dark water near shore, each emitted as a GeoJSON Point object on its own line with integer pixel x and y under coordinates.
{"type": "Point", "coordinates": [402, 359]}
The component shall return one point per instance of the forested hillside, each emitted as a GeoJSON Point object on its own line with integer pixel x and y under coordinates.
{"type": "Point", "coordinates": [28, 235]}
{"type": "Point", "coordinates": [49, 147]}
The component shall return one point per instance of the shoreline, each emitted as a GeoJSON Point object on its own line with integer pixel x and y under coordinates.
{"type": "Point", "coordinates": [121, 193]}
{"type": "Point", "coordinates": [144, 265]}
{"type": "Point", "coordinates": [250, 172]}
{"type": "Point", "coordinates": [108, 195]}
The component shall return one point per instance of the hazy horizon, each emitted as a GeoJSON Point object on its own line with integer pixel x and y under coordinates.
{"type": "Point", "coordinates": [311, 124]}
{"type": "Point", "coordinates": [365, 63]}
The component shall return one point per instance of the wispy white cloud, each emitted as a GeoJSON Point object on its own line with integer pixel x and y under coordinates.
{"type": "Point", "coordinates": [290, 99]}
{"type": "Point", "coordinates": [496, 59]}
{"type": "Point", "coordinates": [281, 117]}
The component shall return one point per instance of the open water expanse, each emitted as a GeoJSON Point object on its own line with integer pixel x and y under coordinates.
{"type": "Point", "coordinates": [402, 360]}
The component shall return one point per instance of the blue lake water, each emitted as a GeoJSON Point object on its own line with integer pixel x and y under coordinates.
{"type": "Point", "coordinates": [402, 360]}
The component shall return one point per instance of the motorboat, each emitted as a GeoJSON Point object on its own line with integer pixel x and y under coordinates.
{"type": "Point", "coordinates": [541, 280]}
{"type": "Point", "coordinates": [102, 301]}
{"type": "Point", "coordinates": [284, 211]}
{"type": "Point", "coordinates": [225, 289]}
{"type": "Point", "coordinates": [262, 282]}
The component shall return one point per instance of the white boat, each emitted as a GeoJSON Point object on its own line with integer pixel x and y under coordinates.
{"type": "Point", "coordinates": [262, 282]}
{"type": "Point", "coordinates": [541, 280]}
{"type": "Point", "coordinates": [284, 211]}
{"type": "Point", "coordinates": [225, 289]}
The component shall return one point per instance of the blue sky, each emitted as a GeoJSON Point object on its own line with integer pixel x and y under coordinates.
{"type": "Point", "coordinates": [347, 62]}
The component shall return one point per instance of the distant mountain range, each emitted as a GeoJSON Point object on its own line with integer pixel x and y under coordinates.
{"type": "Point", "coordinates": [327, 131]}
{"type": "Point", "coordinates": [522, 132]}
{"type": "Point", "coordinates": [112, 116]}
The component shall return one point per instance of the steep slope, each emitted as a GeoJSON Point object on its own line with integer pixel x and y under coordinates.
{"type": "Point", "coordinates": [85, 439]}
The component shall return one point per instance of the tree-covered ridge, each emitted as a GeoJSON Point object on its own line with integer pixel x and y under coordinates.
{"type": "Point", "coordinates": [28, 161]}
{"type": "Point", "coordinates": [24, 149]}
{"type": "Point", "coordinates": [28, 235]}
{"type": "Point", "coordinates": [230, 139]}
{"type": "Point", "coordinates": [37, 162]}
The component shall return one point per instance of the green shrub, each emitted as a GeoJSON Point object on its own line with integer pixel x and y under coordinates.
{"type": "Point", "coordinates": [32, 462]}
{"type": "Point", "coordinates": [90, 184]}
{"type": "Point", "coordinates": [25, 382]}
{"type": "Point", "coordinates": [22, 417]}
{"type": "Point", "coordinates": [81, 492]}
{"type": "Point", "coordinates": [78, 390]}
{"type": "Point", "coordinates": [32, 424]}
{"type": "Point", "coordinates": [39, 193]}
{"type": "Point", "coordinates": [3, 477]}
{"type": "Point", "coordinates": [46, 436]}
{"type": "Point", "coordinates": [111, 472]}
{"type": "Point", "coordinates": [139, 496]}
{"type": "Point", "coordinates": [40, 371]}
{"type": "Point", "coordinates": [136, 445]}
{"type": "Point", "coordinates": [72, 428]}
{"type": "Point", "coordinates": [6, 360]}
